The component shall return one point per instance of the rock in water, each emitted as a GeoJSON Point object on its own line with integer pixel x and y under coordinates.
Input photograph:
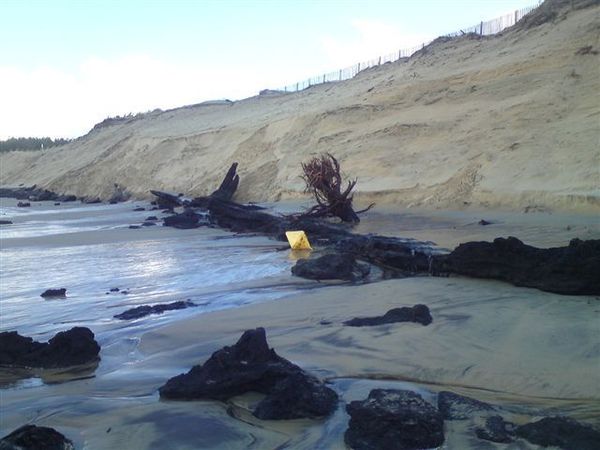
{"type": "Point", "coordinates": [297, 396]}
{"type": "Point", "coordinates": [458, 407]}
{"type": "Point", "coordinates": [67, 348]}
{"type": "Point", "coordinates": [250, 365]}
{"type": "Point", "coordinates": [145, 310]}
{"type": "Point", "coordinates": [496, 430]}
{"type": "Point", "coordinates": [569, 270]}
{"type": "Point", "coordinates": [186, 220]}
{"type": "Point", "coordinates": [62, 292]}
{"type": "Point", "coordinates": [333, 266]}
{"type": "Point", "coordinates": [417, 314]}
{"type": "Point", "coordinates": [392, 419]}
{"type": "Point", "coordinates": [32, 437]}
{"type": "Point", "coordinates": [561, 432]}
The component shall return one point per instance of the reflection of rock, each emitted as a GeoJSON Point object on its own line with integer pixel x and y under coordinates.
{"type": "Point", "coordinates": [458, 407]}
{"type": "Point", "coordinates": [333, 266]}
{"type": "Point", "coordinates": [250, 365]}
{"type": "Point", "coordinates": [145, 310]}
{"type": "Point", "coordinates": [496, 430]}
{"type": "Point", "coordinates": [393, 419]}
{"type": "Point", "coordinates": [418, 314]}
{"type": "Point", "coordinates": [62, 292]}
{"type": "Point", "coordinates": [67, 348]}
{"type": "Point", "coordinates": [560, 432]}
{"type": "Point", "coordinates": [23, 204]}
{"type": "Point", "coordinates": [5, 222]}
{"type": "Point", "coordinates": [32, 437]}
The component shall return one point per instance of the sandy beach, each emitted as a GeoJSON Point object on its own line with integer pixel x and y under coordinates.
{"type": "Point", "coordinates": [472, 139]}
{"type": "Point", "coordinates": [530, 352]}
{"type": "Point", "coordinates": [505, 122]}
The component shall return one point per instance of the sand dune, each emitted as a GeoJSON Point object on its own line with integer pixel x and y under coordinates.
{"type": "Point", "coordinates": [510, 121]}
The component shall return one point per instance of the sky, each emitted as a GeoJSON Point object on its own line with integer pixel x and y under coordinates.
{"type": "Point", "coordinates": [68, 64]}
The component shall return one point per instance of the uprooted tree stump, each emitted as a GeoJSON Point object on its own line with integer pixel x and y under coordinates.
{"type": "Point", "coordinates": [323, 178]}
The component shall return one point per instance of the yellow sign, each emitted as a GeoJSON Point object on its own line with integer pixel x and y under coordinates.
{"type": "Point", "coordinates": [298, 240]}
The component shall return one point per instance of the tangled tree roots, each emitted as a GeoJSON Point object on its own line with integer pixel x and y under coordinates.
{"type": "Point", "coordinates": [323, 179]}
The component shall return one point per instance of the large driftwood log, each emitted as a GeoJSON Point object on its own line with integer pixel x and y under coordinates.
{"type": "Point", "coordinates": [566, 270]}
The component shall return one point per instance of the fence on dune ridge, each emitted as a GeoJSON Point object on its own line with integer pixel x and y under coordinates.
{"type": "Point", "coordinates": [483, 29]}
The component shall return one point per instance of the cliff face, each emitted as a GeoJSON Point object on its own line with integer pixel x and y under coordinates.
{"type": "Point", "coordinates": [510, 121]}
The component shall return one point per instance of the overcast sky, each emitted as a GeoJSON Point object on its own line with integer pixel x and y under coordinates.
{"type": "Point", "coordinates": [66, 65]}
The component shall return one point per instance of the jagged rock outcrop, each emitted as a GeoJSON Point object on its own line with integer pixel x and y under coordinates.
{"type": "Point", "coordinates": [250, 365]}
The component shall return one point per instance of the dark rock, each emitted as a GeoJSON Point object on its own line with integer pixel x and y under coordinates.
{"type": "Point", "coordinates": [151, 218]}
{"type": "Point", "coordinates": [5, 222]}
{"type": "Point", "coordinates": [115, 289]}
{"type": "Point", "coordinates": [42, 195]}
{"type": "Point", "coordinates": [145, 310]}
{"type": "Point", "coordinates": [418, 314]}
{"type": "Point", "coordinates": [484, 222]}
{"type": "Point", "coordinates": [333, 266]}
{"type": "Point", "coordinates": [32, 437]}
{"type": "Point", "coordinates": [405, 256]}
{"type": "Point", "coordinates": [125, 292]}
{"type": "Point", "coordinates": [23, 204]}
{"type": "Point", "coordinates": [57, 204]}
{"type": "Point", "coordinates": [91, 201]}
{"type": "Point", "coordinates": [250, 365]}
{"type": "Point", "coordinates": [458, 407]}
{"type": "Point", "coordinates": [62, 292]}
{"type": "Point", "coordinates": [139, 208]}
{"type": "Point", "coordinates": [393, 419]}
{"type": "Point", "coordinates": [134, 227]}
{"type": "Point", "coordinates": [67, 348]}
{"type": "Point", "coordinates": [66, 198]}
{"type": "Point", "coordinates": [560, 432]}
{"type": "Point", "coordinates": [496, 430]}
{"type": "Point", "coordinates": [148, 224]}
{"type": "Point", "coordinates": [563, 270]}
{"type": "Point", "coordinates": [325, 322]}
{"type": "Point", "coordinates": [297, 396]}
{"type": "Point", "coordinates": [186, 220]}
{"type": "Point", "coordinates": [167, 201]}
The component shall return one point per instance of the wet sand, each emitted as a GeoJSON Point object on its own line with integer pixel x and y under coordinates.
{"type": "Point", "coordinates": [533, 353]}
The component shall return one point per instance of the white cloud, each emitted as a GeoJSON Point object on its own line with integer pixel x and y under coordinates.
{"type": "Point", "coordinates": [370, 40]}
{"type": "Point", "coordinates": [47, 101]}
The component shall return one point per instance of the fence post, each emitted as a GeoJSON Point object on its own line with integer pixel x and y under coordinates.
{"type": "Point", "coordinates": [516, 15]}
{"type": "Point", "coordinates": [297, 87]}
{"type": "Point", "coordinates": [340, 74]}
{"type": "Point", "coordinates": [481, 29]}
{"type": "Point", "coordinates": [379, 63]}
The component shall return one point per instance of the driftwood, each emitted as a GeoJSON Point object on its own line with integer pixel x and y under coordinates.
{"type": "Point", "coordinates": [323, 178]}
{"type": "Point", "coordinates": [566, 270]}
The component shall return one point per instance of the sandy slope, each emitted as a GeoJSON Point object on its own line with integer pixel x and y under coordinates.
{"type": "Point", "coordinates": [505, 122]}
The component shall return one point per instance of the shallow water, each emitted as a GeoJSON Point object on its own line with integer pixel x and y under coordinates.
{"type": "Point", "coordinates": [89, 249]}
